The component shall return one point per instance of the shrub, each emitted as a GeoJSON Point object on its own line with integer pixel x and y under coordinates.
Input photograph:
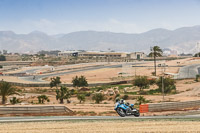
{"type": "Point", "coordinates": [125, 97]}
{"type": "Point", "coordinates": [98, 97]}
{"type": "Point", "coordinates": [142, 82]}
{"type": "Point", "coordinates": [14, 100]}
{"type": "Point", "coordinates": [152, 81]}
{"type": "Point", "coordinates": [169, 85]}
{"type": "Point", "coordinates": [81, 98]}
{"type": "Point", "coordinates": [197, 77]}
{"type": "Point", "coordinates": [87, 94]}
{"type": "Point", "coordinates": [141, 100]}
{"type": "Point", "coordinates": [43, 98]}
{"type": "Point", "coordinates": [79, 81]}
{"type": "Point", "coordinates": [117, 95]}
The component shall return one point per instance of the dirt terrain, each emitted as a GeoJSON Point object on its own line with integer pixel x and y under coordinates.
{"type": "Point", "coordinates": [101, 126]}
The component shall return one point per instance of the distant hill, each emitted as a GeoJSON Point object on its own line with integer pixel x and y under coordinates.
{"type": "Point", "coordinates": [182, 39]}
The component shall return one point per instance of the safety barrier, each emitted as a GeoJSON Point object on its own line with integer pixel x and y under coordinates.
{"type": "Point", "coordinates": [34, 110]}
{"type": "Point", "coordinates": [144, 108]}
{"type": "Point", "coordinates": [67, 85]}
{"type": "Point", "coordinates": [169, 106]}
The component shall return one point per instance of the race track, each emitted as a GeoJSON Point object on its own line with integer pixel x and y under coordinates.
{"type": "Point", "coordinates": [65, 118]}
{"type": "Point", "coordinates": [39, 78]}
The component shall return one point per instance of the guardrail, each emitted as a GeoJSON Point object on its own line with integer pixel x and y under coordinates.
{"type": "Point", "coordinates": [34, 110]}
{"type": "Point", "coordinates": [169, 106]}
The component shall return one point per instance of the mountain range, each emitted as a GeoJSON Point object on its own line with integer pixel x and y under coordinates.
{"type": "Point", "coordinates": [183, 40]}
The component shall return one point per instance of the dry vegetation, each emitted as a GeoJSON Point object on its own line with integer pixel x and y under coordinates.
{"type": "Point", "coordinates": [101, 126]}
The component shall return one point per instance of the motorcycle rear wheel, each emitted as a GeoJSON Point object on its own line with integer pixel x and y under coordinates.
{"type": "Point", "coordinates": [137, 114]}
{"type": "Point", "coordinates": [121, 112]}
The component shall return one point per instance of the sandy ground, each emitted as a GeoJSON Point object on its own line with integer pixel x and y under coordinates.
{"type": "Point", "coordinates": [101, 126]}
{"type": "Point", "coordinates": [112, 74]}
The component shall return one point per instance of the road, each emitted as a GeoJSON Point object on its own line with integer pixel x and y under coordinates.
{"type": "Point", "coordinates": [189, 71]}
{"type": "Point", "coordinates": [64, 118]}
{"type": "Point", "coordinates": [38, 78]}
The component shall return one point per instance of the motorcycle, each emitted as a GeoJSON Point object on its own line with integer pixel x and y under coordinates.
{"type": "Point", "coordinates": [126, 109]}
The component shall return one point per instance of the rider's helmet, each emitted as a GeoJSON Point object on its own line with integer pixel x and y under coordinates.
{"type": "Point", "coordinates": [117, 99]}
{"type": "Point", "coordinates": [121, 101]}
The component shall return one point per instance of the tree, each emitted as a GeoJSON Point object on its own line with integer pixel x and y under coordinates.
{"type": "Point", "coordinates": [169, 84]}
{"type": "Point", "coordinates": [43, 98]}
{"type": "Point", "coordinates": [81, 98]}
{"type": "Point", "coordinates": [156, 51]}
{"type": "Point", "coordinates": [2, 58]}
{"type": "Point", "coordinates": [55, 82]}
{"type": "Point", "coordinates": [142, 82]}
{"type": "Point", "coordinates": [75, 81]}
{"type": "Point", "coordinates": [62, 94]}
{"type": "Point", "coordinates": [79, 81]}
{"type": "Point", "coordinates": [197, 55]}
{"type": "Point", "coordinates": [6, 89]}
{"type": "Point", "coordinates": [98, 97]}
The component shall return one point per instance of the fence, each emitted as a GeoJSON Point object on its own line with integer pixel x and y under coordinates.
{"type": "Point", "coordinates": [34, 110]}
{"type": "Point", "coordinates": [169, 106]}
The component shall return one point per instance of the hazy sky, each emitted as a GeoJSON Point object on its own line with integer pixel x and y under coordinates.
{"type": "Point", "coordinates": [128, 16]}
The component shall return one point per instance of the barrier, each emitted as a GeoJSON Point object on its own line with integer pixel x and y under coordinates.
{"type": "Point", "coordinates": [34, 110]}
{"type": "Point", "coordinates": [169, 106]}
{"type": "Point", "coordinates": [67, 85]}
{"type": "Point", "coordinates": [144, 108]}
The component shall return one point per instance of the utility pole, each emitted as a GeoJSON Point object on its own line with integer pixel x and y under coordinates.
{"type": "Point", "coordinates": [163, 87]}
{"type": "Point", "coordinates": [163, 74]}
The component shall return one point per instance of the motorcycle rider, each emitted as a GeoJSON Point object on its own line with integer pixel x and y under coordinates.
{"type": "Point", "coordinates": [122, 101]}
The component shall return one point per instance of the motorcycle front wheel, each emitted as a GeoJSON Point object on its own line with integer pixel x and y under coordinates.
{"type": "Point", "coordinates": [121, 112]}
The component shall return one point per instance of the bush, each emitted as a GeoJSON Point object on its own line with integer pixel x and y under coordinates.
{"type": "Point", "coordinates": [125, 97]}
{"type": "Point", "coordinates": [141, 100]}
{"type": "Point", "coordinates": [14, 100]}
{"type": "Point", "coordinates": [142, 82]}
{"type": "Point", "coordinates": [152, 81]}
{"type": "Point", "coordinates": [151, 92]}
{"type": "Point", "coordinates": [118, 95]}
{"type": "Point", "coordinates": [87, 94]}
{"type": "Point", "coordinates": [43, 98]}
{"type": "Point", "coordinates": [98, 97]}
{"type": "Point", "coordinates": [79, 81]}
{"type": "Point", "coordinates": [197, 77]}
{"type": "Point", "coordinates": [81, 98]}
{"type": "Point", "coordinates": [169, 85]}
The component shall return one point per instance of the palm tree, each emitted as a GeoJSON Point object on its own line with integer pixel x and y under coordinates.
{"type": "Point", "coordinates": [156, 51]}
{"type": "Point", "coordinates": [6, 89]}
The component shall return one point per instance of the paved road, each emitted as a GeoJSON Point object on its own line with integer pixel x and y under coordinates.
{"type": "Point", "coordinates": [39, 78]}
{"type": "Point", "coordinates": [63, 118]}
{"type": "Point", "coordinates": [189, 71]}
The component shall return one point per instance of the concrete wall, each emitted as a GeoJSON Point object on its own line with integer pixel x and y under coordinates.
{"type": "Point", "coordinates": [169, 106]}
{"type": "Point", "coordinates": [67, 85]}
{"type": "Point", "coordinates": [33, 109]}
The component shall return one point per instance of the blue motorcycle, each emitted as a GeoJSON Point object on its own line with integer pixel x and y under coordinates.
{"type": "Point", "coordinates": [126, 109]}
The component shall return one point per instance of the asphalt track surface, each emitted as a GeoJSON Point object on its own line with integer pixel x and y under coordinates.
{"type": "Point", "coordinates": [68, 118]}
{"type": "Point", "coordinates": [38, 78]}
